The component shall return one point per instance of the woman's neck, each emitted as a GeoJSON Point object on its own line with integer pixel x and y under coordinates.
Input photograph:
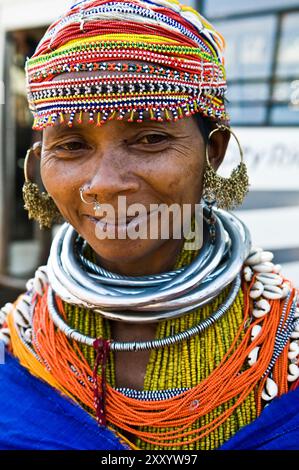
{"type": "Point", "coordinates": [161, 260]}
{"type": "Point", "coordinates": [130, 367]}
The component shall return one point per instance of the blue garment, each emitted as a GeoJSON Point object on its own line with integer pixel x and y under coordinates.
{"type": "Point", "coordinates": [277, 428]}
{"type": "Point", "coordinates": [34, 416]}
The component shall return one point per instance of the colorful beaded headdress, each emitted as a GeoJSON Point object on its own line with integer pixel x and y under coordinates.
{"type": "Point", "coordinates": [161, 59]}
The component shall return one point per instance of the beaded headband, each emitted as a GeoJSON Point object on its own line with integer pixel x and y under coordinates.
{"type": "Point", "coordinates": [161, 60]}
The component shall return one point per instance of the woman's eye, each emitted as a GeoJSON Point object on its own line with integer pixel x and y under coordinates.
{"type": "Point", "coordinates": [72, 146]}
{"type": "Point", "coordinates": [152, 139]}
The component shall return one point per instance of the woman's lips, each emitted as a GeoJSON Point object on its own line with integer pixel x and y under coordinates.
{"type": "Point", "coordinates": [119, 223]}
{"type": "Point", "coordinates": [112, 223]}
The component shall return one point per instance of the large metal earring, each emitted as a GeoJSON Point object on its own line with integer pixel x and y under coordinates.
{"type": "Point", "coordinates": [40, 205]}
{"type": "Point", "coordinates": [228, 193]}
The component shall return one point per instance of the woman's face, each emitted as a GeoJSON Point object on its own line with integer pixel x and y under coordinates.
{"type": "Point", "coordinates": [149, 163]}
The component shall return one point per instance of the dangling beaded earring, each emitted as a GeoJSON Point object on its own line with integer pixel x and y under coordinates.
{"type": "Point", "coordinates": [227, 193]}
{"type": "Point", "coordinates": [40, 206]}
{"type": "Point", "coordinates": [210, 201]}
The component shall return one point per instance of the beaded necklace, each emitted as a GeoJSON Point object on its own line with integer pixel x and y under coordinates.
{"type": "Point", "coordinates": [185, 365]}
{"type": "Point", "coordinates": [193, 412]}
{"type": "Point", "coordinates": [182, 366]}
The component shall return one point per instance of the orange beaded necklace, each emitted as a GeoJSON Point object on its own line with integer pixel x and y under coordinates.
{"type": "Point", "coordinates": [175, 416]}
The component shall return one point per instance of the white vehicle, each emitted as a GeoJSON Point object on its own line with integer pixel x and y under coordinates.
{"type": "Point", "coordinates": [262, 60]}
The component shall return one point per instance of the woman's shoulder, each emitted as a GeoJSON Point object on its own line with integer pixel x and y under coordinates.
{"type": "Point", "coordinates": [38, 417]}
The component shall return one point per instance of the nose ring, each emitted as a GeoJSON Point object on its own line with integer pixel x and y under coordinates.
{"type": "Point", "coordinates": [95, 202]}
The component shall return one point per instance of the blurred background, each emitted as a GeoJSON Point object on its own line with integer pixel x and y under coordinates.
{"type": "Point", "coordinates": [262, 60]}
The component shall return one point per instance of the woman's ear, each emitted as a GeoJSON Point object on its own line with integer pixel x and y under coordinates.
{"type": "Point", "coordinates": [37, 149]}
{"type": "Point", "coordinates": [32, 159]}
{"type": "Point", "coordinates": [217, 147]}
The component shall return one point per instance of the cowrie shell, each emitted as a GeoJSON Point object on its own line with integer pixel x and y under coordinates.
{"type": "Point", "coordinates": [272, 292]}
{"type": "Point", "coordinates": [7, 308]}
{"type": "Point", "coordinates": [264, 304]}
{"type": "Point", "coordinates": [253, 355]}
{"type": "Point", "coordinates": [270, 390]}
{"type": "Point", "coordinates": [29, 284]}
{"type": "Point", "coordinates": [270, 279]}
{"type": "Point", "coordinates": [293, 373]}
{"type": "Point", "coordinates": [277, 268]}
{"type": "Point", "coordinates": [248, 273]}
{"type": "Point", "coordinates": [266, 256]}
{"type": "Point", "coordinates": [255, 249]}
{"type": "Point", "coordinates": [266, 267]}
{"type": "Point", "coordinates": [293, 350]}
{"type": "Point", "coordinates": [254, 256]}
{"type": "Point", "coordinates": [256, 329]}
{"type": "Point", "coordinates": [261, 308]}
{"type": "Point", "coordinates": [4, 312]}
{"type": "Point", "coordinates": [40, 280]}
{"type": "Point", "coordinates": [295, 335]}
{"type": "Point", "coordinates": [28, 335]}
{"type": "Point", "coordinates": [42, 273]}
{"type": "Point", "coordinates": [38, 285]}
{"type": "Point", "coordinates": [256, 290]}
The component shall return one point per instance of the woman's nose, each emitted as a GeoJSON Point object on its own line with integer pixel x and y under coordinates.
{"type": "Point", "coordinates": [110, 178]}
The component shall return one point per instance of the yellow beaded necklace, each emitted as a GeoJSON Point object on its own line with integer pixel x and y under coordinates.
{"type": "Point", "coordinates": [184, 364]}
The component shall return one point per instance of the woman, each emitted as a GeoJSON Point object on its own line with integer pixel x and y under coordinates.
{"type": "Point", "coordinates": [125, 338]}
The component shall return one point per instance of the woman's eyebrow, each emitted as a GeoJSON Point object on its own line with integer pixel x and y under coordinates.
{"type": "Point", "coordinates": [148, 122]}
{"type": "Point", "coordinates": [65, 129]}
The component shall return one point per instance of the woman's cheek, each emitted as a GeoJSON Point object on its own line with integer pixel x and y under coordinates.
{"type": "Point", "coordinates": [191, 180]}
{"type": "Point", "coordinates": [49, 174]}
{"type": "Point", "coordinates": [56, 180]}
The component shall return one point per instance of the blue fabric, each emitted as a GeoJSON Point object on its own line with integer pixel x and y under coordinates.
{"type": "Point", "coordinates": [277, 428]}
{"type": "Point", "coordinates": [34, 416]}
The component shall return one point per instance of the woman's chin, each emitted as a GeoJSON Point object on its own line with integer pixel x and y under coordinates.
{"type": "Point", "coordinates": [120, 250]}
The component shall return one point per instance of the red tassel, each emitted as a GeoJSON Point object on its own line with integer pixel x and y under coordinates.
{"type": "Point", "coordinates": [102, 348]}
